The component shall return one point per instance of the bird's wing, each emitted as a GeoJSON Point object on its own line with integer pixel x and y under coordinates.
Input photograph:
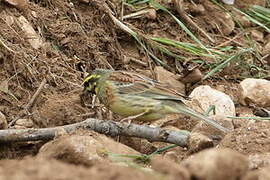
{"type": "Point", "coordinates": [132, 83]}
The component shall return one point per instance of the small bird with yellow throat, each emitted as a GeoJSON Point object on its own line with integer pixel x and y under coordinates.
{"type": "Point", "coordinates": [133, 95]}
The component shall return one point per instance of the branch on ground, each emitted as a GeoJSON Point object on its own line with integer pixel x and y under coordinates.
{"type": "Point", "coordinates": [110, 128]}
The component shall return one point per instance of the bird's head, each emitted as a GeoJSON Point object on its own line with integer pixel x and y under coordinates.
{"type": "Point", "coordinates": [91, 81]}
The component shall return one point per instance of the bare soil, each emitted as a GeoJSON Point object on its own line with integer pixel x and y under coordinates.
{"type": "Point", "coordinates": [77, 38]}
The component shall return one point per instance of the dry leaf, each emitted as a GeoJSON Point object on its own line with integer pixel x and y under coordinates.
{"type": "Point", "coordinates": [18, 3]}
{"type": "Point", "coordinates": [33, 38]}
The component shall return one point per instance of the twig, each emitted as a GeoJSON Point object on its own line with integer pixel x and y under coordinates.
{"type": "Point", "coordinates": [232, 40]}
{"type": "Point", "coordinates": [110, 128]}
{"type": "Point", "coordinates": [138, 61]}
{"type": "Point", "coordinates": [30, 104]}
{"type": "Point", "coordinates": [181, 12]}
{"type": "Point", "coordinates": [255, 118]}
{"type": "Point", "coordinates": [34, 97]}
{"type": "Point", "coordinates": [5, 46]}
{"type": "Point", "coordinates": [122, 10]}
{"type": "Point", "coordinates": [135, 35]}
{"type": "Point", "coordinates": [137, 14]}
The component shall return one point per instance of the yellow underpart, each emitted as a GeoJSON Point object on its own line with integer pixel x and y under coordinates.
{"type": "Point", "coordinates": [96, 90]}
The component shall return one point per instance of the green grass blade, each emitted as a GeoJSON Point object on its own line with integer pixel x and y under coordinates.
{"type": "Point", "coordinates": [192, 48]}
{"type": "Point", "coordinates": [253, 19]}
{"type": "Point", "coordinates": [141, 2]}
{"type": "Point", "coordinates": [186, 46]}
{"type": "Point", "coordinates": [135, 36]}
{"type": "Point", "coordinates": [256, 118]}
{"type": "Point", "coordinates": [182, 25]}
{"type": "Point", "coordinates": [261, 16]}
{"type": "Point", "coordinates": [223, 64]}
{"type": "Point", "coordinates": [150, 53]}
{"type": "Point", "coordinates": [169, 53]}
{"type": "Point", "coordinates": [261, 10]}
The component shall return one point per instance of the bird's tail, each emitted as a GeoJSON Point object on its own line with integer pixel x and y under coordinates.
{"type": "Point", "coordinates": [184, 109]}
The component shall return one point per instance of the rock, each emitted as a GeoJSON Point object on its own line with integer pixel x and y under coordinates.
{"type": "Point", "coordinates": [227, 24]}
{"type": "Point", "coordinates": [151, 14]}
{"type": "Point", "coordinates": [32, 168]}
{"type": "Point", "coordinates": [30, 34]}
{"type": "Point", "coordinates": [205, 96]}
{"type": "Point", "coordinates": [23, 123]}
{"type": "Point", "coordinates": [230, 2]}
{"type": "Point", "coordinates": [223, 21]}
{"type": "Point", "coordinates": [197, 9]}
{"type": "Point", "coordinates": [198, 142]}
{"type": "Point", "coordinates": [262, 174]}
{"type": "Point", "coordinates": [257, 35]}
{"type": "Point", "coordinates": [266, 49]}
{"type": "Point", "coordinates": [165, 76]}
{"type": "Point", "coordinates": [21, 4]}
{"type": "Point", "coordinates": [242, 19]}
{"type": "Point", "coordinates": [141, 145]}
{"type": "Point", "coordinates": [171, 169]}
{"type": "Point", "coordinates": [171, 156]}
{"type": "Point", "coordinates": [213, 164]}
{"type": "Point", "coordinates": [86, 148]}
{"type": "Point", "coordinates": [255, 91]}
{"type": "Point", "coordinates": [3, 121]}
{"type": "Point", "coordinates": [191, 76]}
{"type": "Point", "coordinates": [259, 160]}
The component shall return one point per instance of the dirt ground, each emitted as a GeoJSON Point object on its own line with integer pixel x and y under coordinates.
{"type": "Point", "coordinates": [75, 37]}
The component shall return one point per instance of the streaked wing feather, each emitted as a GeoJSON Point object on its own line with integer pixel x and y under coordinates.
{"type": "Point", "coordinates": [132, 83]}
{"type": "Point", "coordinates": [132, 88]}
{"type": "Point", "coordinates": [148, 90]}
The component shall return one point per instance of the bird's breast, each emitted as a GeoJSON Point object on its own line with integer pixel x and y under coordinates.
{"type": "Point", "coordinates": [106, 95]}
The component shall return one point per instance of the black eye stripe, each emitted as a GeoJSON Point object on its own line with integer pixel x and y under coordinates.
{"type": "Point", "coordinates": [86, 84]}
{"type": "Point", "coordinates": [93, 79]}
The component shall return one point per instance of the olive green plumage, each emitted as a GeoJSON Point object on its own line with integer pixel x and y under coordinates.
{"type": "Point", "coordinates": [130, 94]}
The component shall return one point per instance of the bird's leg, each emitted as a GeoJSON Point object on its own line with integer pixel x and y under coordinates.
{"type": "Point", "coordinates": [130, 118]}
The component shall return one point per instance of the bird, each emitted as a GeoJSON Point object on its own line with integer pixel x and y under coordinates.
{"type": "Point", "coordinates": [130, 94]}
